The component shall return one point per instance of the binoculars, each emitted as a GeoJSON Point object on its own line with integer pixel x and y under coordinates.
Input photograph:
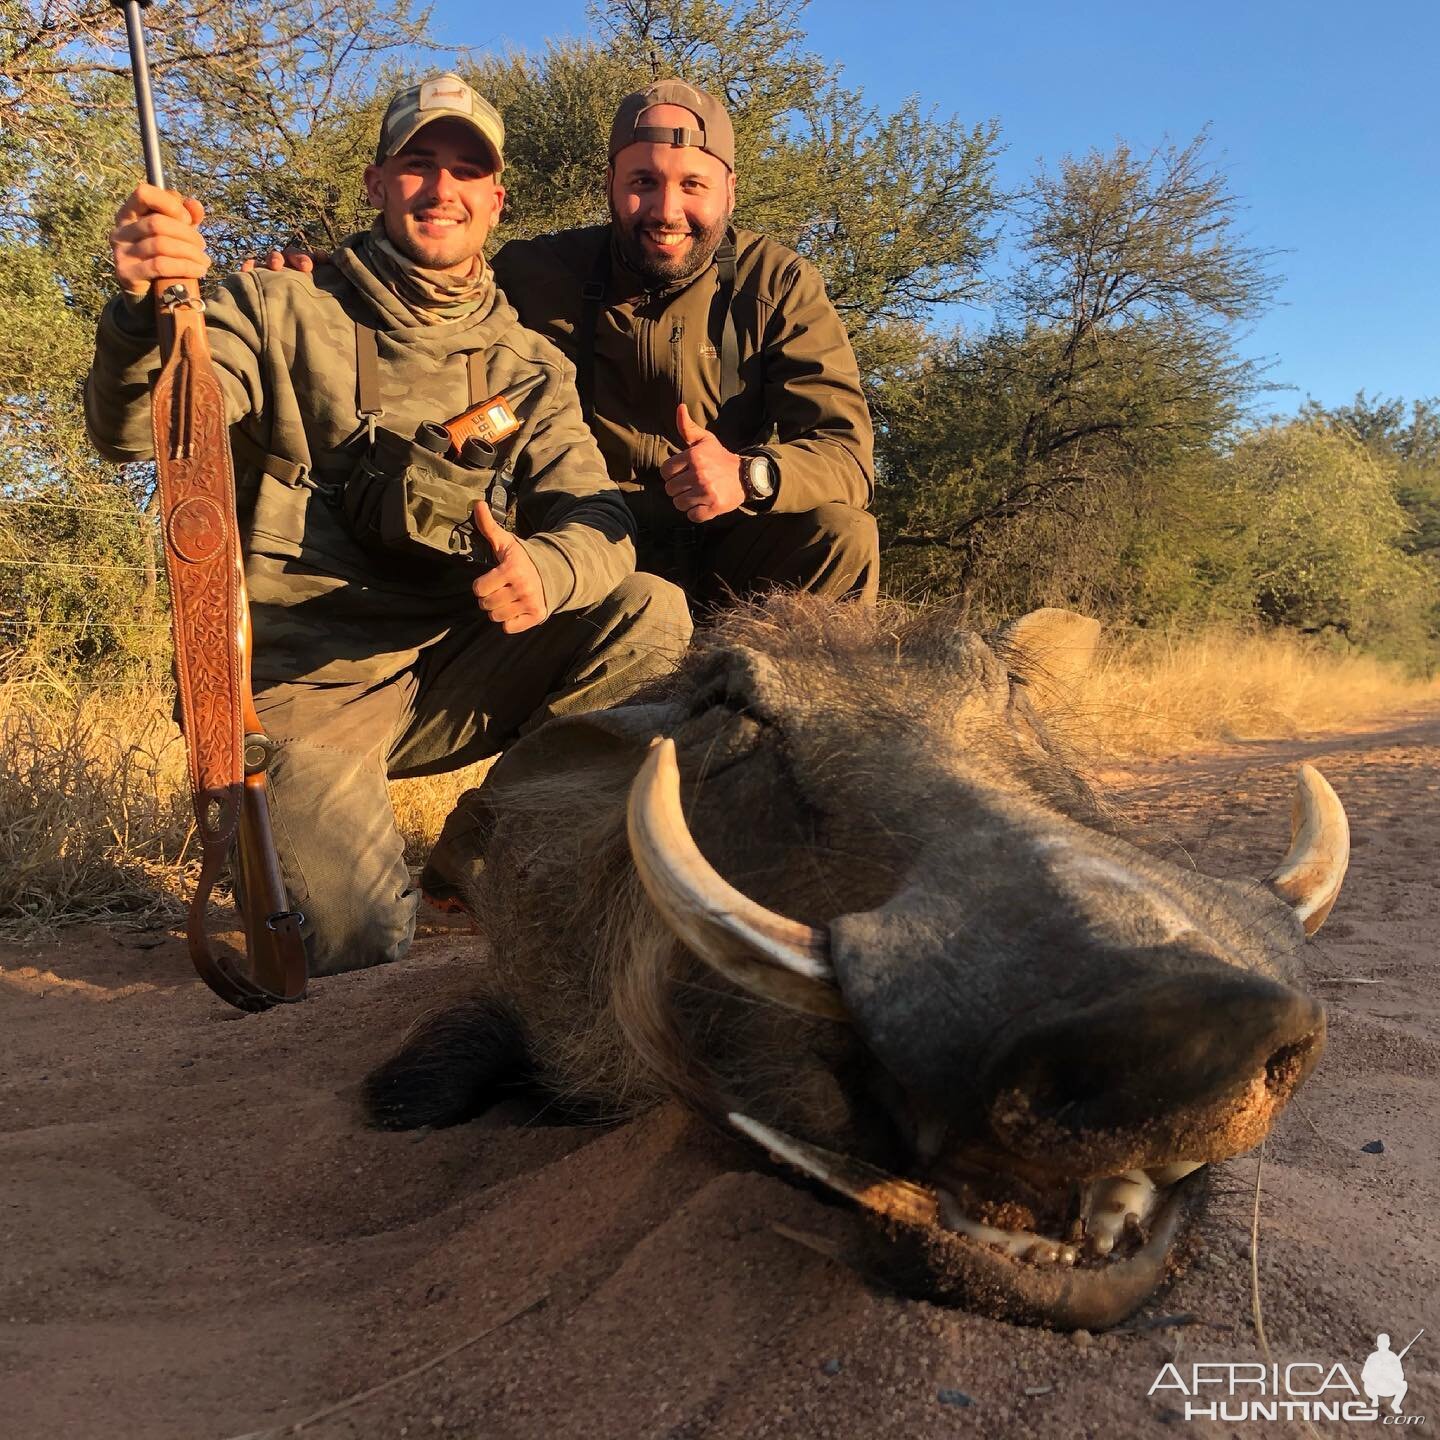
{"type": "Point", "coordinates": [475, 453]}
{"type": "Point", "coordinates": [479, 455]}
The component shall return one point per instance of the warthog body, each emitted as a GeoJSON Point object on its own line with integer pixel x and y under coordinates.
{"type": "Point", "coordinates": [946, 987]}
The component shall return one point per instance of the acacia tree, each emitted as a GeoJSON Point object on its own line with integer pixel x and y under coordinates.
{"type": "Point", "coordinates": [1111, 358]}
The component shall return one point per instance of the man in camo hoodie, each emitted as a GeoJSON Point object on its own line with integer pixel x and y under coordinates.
{"type": "Point", "coordinates": [377, 651]}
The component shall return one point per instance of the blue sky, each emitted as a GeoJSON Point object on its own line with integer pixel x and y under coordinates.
{"type": "Point", "coordinates": [1324, 115]}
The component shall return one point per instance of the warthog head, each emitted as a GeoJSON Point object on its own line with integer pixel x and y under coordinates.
{"type": "Point", "coordinates": [856, 905]}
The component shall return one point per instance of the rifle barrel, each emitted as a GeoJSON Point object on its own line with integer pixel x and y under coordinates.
{"type": "Point", "coordinates": [144, 98]}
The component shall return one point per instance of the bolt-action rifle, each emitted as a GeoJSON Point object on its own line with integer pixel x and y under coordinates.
{"type": "Point", "coordinates": [210, 619]}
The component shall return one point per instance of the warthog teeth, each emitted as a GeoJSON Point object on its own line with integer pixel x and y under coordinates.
{"type": "Point", "coordinates": [1124, 1204]}
{"type": "Point", "coordinates": [1113, 1201]}
{"type": "Point", "coordinates": [1048, 1252]}
{"type": "Point", "coordinates": [765, 953]}
{"type": "Point", "coordinates": [1120, 1205]}
{"type": "Point", "coordinates": [1173, 1172]}
{"type": "Point", "coordinates": [1309, 878]}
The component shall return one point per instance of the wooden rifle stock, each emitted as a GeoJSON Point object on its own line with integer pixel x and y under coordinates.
{"type": "Point", "coordinates": [226, 749]}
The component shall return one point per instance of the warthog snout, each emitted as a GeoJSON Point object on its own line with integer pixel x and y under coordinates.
{"type": "Point", "coordinates": [1196, 1065]}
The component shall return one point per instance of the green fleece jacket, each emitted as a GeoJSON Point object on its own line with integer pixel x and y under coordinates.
{"type": "Point", "coordinates": [323, 607]}
{"type": "Point", "coordinates": [800, 395]}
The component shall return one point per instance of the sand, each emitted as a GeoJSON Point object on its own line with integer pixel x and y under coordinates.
{"type": "Point", "coordinates": [199, 1239]}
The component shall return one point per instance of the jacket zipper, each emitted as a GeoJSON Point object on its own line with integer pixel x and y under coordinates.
{"type": "Point", "coordinates": [677, 358]}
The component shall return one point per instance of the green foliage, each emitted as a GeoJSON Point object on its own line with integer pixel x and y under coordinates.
{"type": "Point", "coordinates": [557, 111]}
{"type": "Point", "coordinates": [77, 564]}
{"type": "Point", "coordinates": [1324, 537]}
{"type": "Point", "coordinates": [54, 259]}
{"type": "Point", "coordinates": [1407, 440]}
{"type": "Point", "coordinates": [1404, 441]}
{"type": "Point", "coordinates": [78, 575]}
{"type": "Point", "coordinates": [1086, 447]}
{"type": "Point", "coordinates": [240, 91]}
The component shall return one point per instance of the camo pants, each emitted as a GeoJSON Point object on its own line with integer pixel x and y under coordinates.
{"type": "Point", "coordinates": [833, 550]}
{"type": "Point", "coordinates": [468, 696]}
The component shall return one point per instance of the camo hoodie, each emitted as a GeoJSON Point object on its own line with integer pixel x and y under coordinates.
{"type": "Point", "coordinates": [284, 348]}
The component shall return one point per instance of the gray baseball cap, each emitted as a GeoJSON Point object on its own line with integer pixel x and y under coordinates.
{"type": "Point", "coordinates": [715, 136]}
{"type": "Point", "coordinates": [439, 97]}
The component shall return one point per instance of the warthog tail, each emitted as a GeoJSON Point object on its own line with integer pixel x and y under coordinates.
{"type": "Point", "coordinates": [450, 1067]}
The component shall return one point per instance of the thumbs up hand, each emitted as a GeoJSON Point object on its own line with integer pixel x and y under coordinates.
{"type": "Point", "coordinates": [703, 479]}
{"type": "Point", "coordinates": [509, 592]}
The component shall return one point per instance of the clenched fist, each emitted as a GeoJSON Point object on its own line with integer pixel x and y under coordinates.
{"type": "Point", "coordinates": [155, 238]}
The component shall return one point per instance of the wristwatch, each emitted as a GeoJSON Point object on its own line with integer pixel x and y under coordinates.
{"type": "Point", "coordinates": [757, 479]}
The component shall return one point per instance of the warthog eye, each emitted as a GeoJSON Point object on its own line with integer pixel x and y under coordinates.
{"type": "Point", "coordinates": [741, 682]}
{"type": "Point", "coordinates": [736, 701]}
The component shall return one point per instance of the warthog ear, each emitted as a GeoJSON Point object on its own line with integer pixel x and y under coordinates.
{"type": "Point", "coordinates": [767, 954]}
{"type": "Point", "coordinates": [1051, 648]}
{"type": "Point", "coordinates": [1308, 879]}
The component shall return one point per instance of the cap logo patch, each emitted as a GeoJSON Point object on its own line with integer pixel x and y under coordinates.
{"type": "Point", "coordinates": [447, 94]}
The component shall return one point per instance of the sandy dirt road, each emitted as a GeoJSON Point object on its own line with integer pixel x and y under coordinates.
{"type": "Point", "coordinates": [199, 1240]}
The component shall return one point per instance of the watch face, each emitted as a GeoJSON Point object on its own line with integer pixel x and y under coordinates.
{"type": "Point", "coordinates": [760, 481]}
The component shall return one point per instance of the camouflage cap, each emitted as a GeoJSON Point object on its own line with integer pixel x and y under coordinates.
{"type": "Point", "coordinates": [716, 136]}
{"type": "Point", "coordinates": [439, 97]}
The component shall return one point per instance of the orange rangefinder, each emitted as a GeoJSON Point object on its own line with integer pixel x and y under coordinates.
{"type": "Point", "coordinates": [490, 421]}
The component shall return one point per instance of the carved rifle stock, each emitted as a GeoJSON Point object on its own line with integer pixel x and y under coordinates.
{"type": "Point", "coordinates": [227, 750]}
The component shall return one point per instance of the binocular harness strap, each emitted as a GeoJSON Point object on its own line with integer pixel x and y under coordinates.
{"type": "Point", "coordinates": [368, 405]}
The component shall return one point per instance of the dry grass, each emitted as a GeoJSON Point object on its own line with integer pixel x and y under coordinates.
{"type": "Point", "coordinates": [95, 820]}
{"type": "Point", "coordinates": [95, 817]}
{"type": "Point", "coordinates": [1150, 693]}
{"type": "Point", "coordinates": [422, 805]}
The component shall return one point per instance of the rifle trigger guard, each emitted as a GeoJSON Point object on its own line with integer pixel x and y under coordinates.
{"type": "Point", "coordinates": [274, 922]}
{"type": "Point", "coordinates": [259, 751]}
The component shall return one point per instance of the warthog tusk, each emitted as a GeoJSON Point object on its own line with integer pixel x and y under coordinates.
{"type": "Point", "coordinates": [869, 1187]}
{"type": "Point", "coordinates": [765, 953]}
{"type": "Point", "coordinates": [1309, 877]}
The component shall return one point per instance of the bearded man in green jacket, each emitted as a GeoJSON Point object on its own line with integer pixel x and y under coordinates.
{"type": "Point", "coordinates": [398, 628]}
{"type": "Point", "coordinates": [714, 371]}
